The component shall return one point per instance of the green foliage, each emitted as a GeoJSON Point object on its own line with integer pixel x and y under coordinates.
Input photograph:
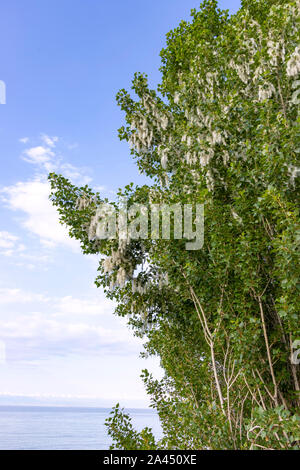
{"type": "Point", "coordinates": [223, 130]}
{"type": "Point", "coordinates": [124, 436]}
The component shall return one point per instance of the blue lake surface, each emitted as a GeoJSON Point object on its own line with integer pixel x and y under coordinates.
{"type": "Point", "coordinates": [47, 427]}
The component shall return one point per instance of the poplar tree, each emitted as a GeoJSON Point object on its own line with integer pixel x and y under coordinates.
{"type": "Point", "coordinates": [221, 129]}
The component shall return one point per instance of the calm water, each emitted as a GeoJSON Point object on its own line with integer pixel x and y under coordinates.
{"type": "Point", "coordinates": [37, 427]}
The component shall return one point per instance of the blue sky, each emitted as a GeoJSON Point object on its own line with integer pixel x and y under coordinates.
{"type": "Point", "coordinates": [63, 62]}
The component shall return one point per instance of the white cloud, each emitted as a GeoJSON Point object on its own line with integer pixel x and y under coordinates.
{"type": "Point", "coordinates": [74, 173]}
{"type": "Point", "coordinates": [9, 244]}
{"type": "Point", "coordinates": [97, 304]}
{"type": "Point", "coordinates": [38, 155]}
{"type": "Point", "coordinates": [24, 140]}
{"type": "Point", "coordinates": [41, 155]}
{"type": "Point", "coordinates": [46, 157]}
{"type": "Point", "coordinates": [31, 198]}
{"type": "Point", "coordinates": [41, 218]}
{"type": "Point", "coordinates": [42, 328]}
{"type": "Point", "coordinates": [36, 325]}
{"type": "Point", "coordinates": [50, 141]}
{"type": "Point", "coordinates": [13, 248]}
{"type": "Point", "coordinates": [59, 326]}
{"type": "Point", "coordinates": [8, 295]}
{"type": "Point", "coordinates": [72, 146]}
{"type": "Point", "coordinates": [7, 240]}
{"type": "Point", "coordinates": [75, 306]}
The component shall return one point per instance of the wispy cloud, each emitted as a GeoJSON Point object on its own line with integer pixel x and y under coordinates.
{"type": "Point", "coordinates": [35, 337]}
{"type": "Point", "coordinates": [9, 296]}
{"type": "Point", "coordinates": [47, 157]}
{"type": "Point", "coordinates": [40, 155]}
{"type": "Point", "coordinates": [24, 140]}
{"type": "Point", "coordinates": [10, 244]}
{"type": "Point", "coordinates": [39, 217]}
{"type": "Point", "coordinates": [50, 141]}
{"type": "Point", "coordinates": [55, 326]}
{"type": "Point", "coordinates": [31, 198]}
{"type": "Point", "coordinates": [75, 306]}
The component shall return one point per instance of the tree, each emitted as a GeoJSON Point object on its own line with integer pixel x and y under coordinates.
{"type": "Point", "coordinates": [222, 130]}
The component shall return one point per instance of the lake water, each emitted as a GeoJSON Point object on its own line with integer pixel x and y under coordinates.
{"type": "Point", "coordinates": [38, 427]}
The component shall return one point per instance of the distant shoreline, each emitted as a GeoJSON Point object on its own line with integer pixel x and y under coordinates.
{"type": "Point", "coordinates": [65, 407]}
